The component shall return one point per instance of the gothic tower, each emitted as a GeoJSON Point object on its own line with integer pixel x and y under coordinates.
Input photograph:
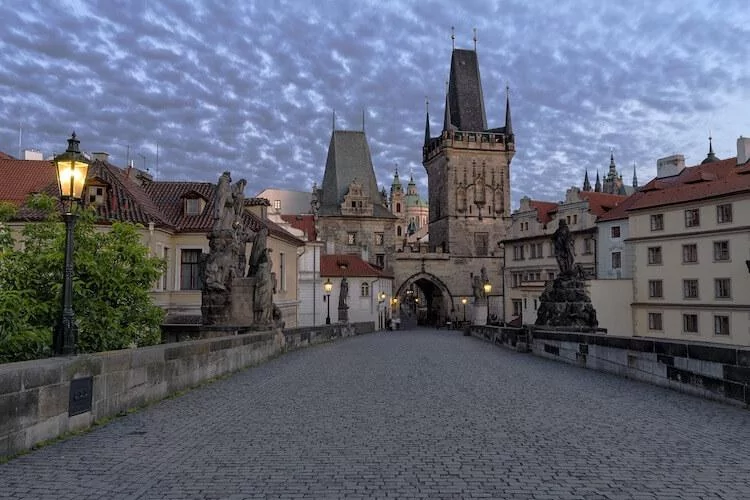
{"type": "Point", "coordinates": [468, 167]}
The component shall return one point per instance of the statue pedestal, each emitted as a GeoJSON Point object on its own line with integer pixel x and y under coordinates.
{"type": "Point", "coordinates": [566, 303]}
{"type": "Point", "coordinates": [242, 301]}
{"type": "Point", "coordinates": [343, 314]}
{"type": "Point", "coordinates": [479, 316]}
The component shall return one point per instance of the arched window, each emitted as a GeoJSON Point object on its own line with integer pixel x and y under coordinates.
{"type": "Point", "coordinates": [365, 289]}
{"type": "Point", "coordinates": [398, 208]}
{"type": "Point", "coordinates": [398, 230]}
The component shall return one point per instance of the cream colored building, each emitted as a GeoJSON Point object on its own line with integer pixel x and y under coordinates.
{"type": "Point", "coordinates": [691, 249]}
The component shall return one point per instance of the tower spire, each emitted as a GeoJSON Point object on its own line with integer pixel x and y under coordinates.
{"type": "Point", "coordinates": [586, 183]}
{"type": "Point", "coordinates": [447, 119]}
{"type": "Point", "coordinates": [711, 157]}
{"type": "Point", "coordinates": [598, 185]}
{"type": "Point", "coordinates": [453, 37]}
{"type": "Point", "coordinates": [475, 39]}
{"type": "Point", "coordinates": [363, 119]}
{"type": "Point", "coordinates": [508, 123]}
{"type": "Point", "coordinates": [333, 121]}
{"type": "Point", "coordinates": [635, 178]}
{"type": "Point", "coordinates": [427, 122]}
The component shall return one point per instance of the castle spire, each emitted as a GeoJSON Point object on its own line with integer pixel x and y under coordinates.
{"type": "Point", "coordinates": [508, 123]}
{"type": "Point", "coordinates": [635, 178]}
{"type": "Point", "coordinates": [427, 123]}
{"type": "Point", "coordinates": [453, 37]}
{"type": "Point", "coordinates": [598, 185]}
{"type": "Point", "coordinates": [475, 39]}
{"type": "Point", "coordinates": [710, 157]}
{"type": "Point", "coordinates": [586, 183]}
{"type": "Point", "coordinates": [612, 167]}
{"type": "Point", "coordinates": [447, 121]}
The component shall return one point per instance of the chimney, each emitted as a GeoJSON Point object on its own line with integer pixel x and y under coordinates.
{"type": "Point", "coordinates": [669, 166]}
{"type": "Point", "coordinates": [35, 154]}
{"type": "Point", "coordinates": [743, 150]}
{"type": "Point", "coordinates": [101, 156]}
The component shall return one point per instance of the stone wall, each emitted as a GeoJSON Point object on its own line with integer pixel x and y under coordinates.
{"type": "Point", "coordinates": [41, 400]}
{"type": "Point", "coordinates": [708, 370]}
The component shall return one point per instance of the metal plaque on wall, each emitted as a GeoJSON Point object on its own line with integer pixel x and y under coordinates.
{"type": "Point", "coordinates": [81, 392]}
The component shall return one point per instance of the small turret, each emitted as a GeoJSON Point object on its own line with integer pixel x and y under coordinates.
{"type": "Point", "coordinates": [508, 123]}
{"type": "Point", "coordinates": [598, 185]}
{"type": "Point", "coordinates": [710, 157]}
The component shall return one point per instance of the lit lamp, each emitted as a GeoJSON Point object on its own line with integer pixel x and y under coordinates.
{"type": "Point", "coordinates": [464, 301]}
{"type": "Point", "coordinates": [328, 287]}
{"type": "Point", "coordinates": [381, 309]}
{"type": "Point", "coordinates": [487, 290]}
{"type": "Point", "coordinates": [72, 169]}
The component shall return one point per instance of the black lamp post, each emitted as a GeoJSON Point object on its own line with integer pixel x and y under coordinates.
{"type": "Point", "coordinates": [381, 309]}
{"type": "Point", "coordinates": [328, 287]}
{"type": "Point", "coordinates": [72, 169]}
{"type": "Point", "coordinates": [463, 301]}
{"type": "Point", "coordinates": [487, 290]}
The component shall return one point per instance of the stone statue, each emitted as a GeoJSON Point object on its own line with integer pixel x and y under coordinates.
{"type": "Point", "coordinates": [343, 294]}
{"type": "Point", "coordinates": [263, 296]}
{"type": "Point", "coordinates": [238, 201]}
{"type": "Point", "coordinates": [477, 287]}
{"type": "Point", "coordinates": [315, 200]}
{"type": "Point", "coordinates": [223, 199]}
{"type": "Point", "coordinates": [562, 242]}
{"type": "Point", "coordinates": [257, 252]}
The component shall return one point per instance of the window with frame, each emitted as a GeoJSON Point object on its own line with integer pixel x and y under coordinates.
{"type": "Point", "coordinates": [517, 307]}
{"type": "Point", "coordinates": [616, 260]}
{"type": "Point", "coordinates": [193, 206]}
{"type": "Point", "coordinates": [721, 325]}
{"type": "Point", "coordinates": [615, 231]}
{"type": "Point", "coordinates": [96, 195]}
{"type": "Point", "coordinates": [690, 289]}
{"type": "Point", "coordinates": [692, 217]}
{"type": "Point", "coordinates": [654, 255]}
{"type": "Point", "coordinates": [380, 260]}
{"type": "Point", "coordinates": [654, 321]}
{"type": "Point", "coordinates": [518, 252]}
{"type": "Point", "coordinates": [723, 288]}
{"type": "Point", "coordinates": [721, 250]}
{"type": "Point", "coordinates": [398, 208]}
{"type": "Point", "coordinates": [481, 244]}
{"type": "Point", "coordinates": [277, 204]}
{"type": "Point", "coordinates": [351, 238]}
{"type": "Point", "coordinates": [282, 271]}
{"type": "Point", "coordinates": [190, 269]}
{"type": "Point", "coordinates": [398, 231]}
{"type": "Point", "coordinates": [587, 245]}
{"type": "Point", "coordinates": [379, 238]}
{"type": "Point", "coordinates": [690, 253]}
{"type": "Point", "coordinates": [724, 213]}
{"type": "Point", "coordinates": [655, 289]}
{"type": "Point", "coordinates": [657, 222]}
{"type": "Point", "coordinates": [690, 323]}
{"type": "Point", "coordinates": [365, 289]}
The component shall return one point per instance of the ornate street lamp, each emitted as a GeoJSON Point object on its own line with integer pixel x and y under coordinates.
{"type": "Point", "coordinates": [328, 287]}
{"type": "Point", "coordinates": [487, 290]}
{"type": "Point", "coordinates": [72, 169]}
{"type": "Point", "coordinates": [381, 309]}
{"type": "Point", "coordinates": [464, 301]}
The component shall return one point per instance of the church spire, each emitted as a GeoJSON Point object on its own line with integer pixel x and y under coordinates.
{"type": "Point", "coordinates": [427, 124]}
{"type": "Point", "coordinates": [612, 167]}
{"type": "Point", "coordinates": [586, 183]}
{"type": "Point", "coordinates": [635, 178]}
{"type": "Point", "coordinates": [508, 124]}
{"type": "Point", "coordinates": [711, 157]}
{"type": "Point", "coordinates": [598, 185]}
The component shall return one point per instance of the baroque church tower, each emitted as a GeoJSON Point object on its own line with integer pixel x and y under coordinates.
{"type": "Point", "coordinates": [468, 167]}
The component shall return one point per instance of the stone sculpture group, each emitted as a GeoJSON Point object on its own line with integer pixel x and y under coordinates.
{"type": "Point", "coordinates": [229, 296]}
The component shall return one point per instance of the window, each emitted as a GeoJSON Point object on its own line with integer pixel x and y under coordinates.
{"type": "Point", "coordinates": [398, 208]}
{"type": "Point", "coordinates": [689, 253]}
{"type": "Point", "coordinates": [655, 290]}
{"type": "Point", "coordinates": [365, 289]}
{"type": "Point", "coordinates": [190, 270]}
{"type": "Point", "coordinates": [721, 325]}
{"type": "Point", "coordinates": [587, 245]}
{"type": "Point", "coordinates": [380, 260]}
{"type": "Point", "coordinates": [536, 250]}
{"type": "Point", "coordinates": [690, 289]}
{"type": "Point", "coordinates": [723, 288]}
{"type": "Point", "coordinates": [654, 321]}
{"type": "Point", "coordinates": [518, 252]}
{"type": "Point", "coordinates": [379, 237]}
{"type": "Point", "coordinates": [616, 260]}
{"type": "Point", "coordinates": [657, 222]}
{"type": "Point", "coordinates": [721, 250]}
{"type": "Point", "coordinates": [550, 275]}
{"type": "Point", "coordinates": [575, 218]}
{"type": "Point", "coordinates": [481, 242]}
{"type": "Point", "coordinates": [193, 206]}
{"type": "Point", "coordinates": [567, 219]}
{"type": "Point", "coordinates": [96, 195]}
{"type": "Point", "coordinates": [351, 238]}
{"type": "Point", "coordinates": [282, 271]}
{"type": "Point", "coordinates": [690, 323]}
{"type": "Point", "coordinates": [517, 307]}
{"type": "Point", "coordinates": [516, 279]}
{"type": "Point", "coordinates": [654, 255]}
{"type": "Point", "coordinates": [277, 204]}
{"type": "Point", "coordinates": [398, 230]}
{"type": "Point", "coordinates": [692, 218]}
{"type": "Point", "coordinates": [615, 231]}
{"type": "Point", "coordinates": [724, 214]}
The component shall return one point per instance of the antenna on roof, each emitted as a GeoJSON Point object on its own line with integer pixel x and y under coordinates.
{"type": "Point", "coordinates": [426, 104]}
{"type": "Point", "coordinates": [20, 135]}
{"type": "Point", "coordinates": [475, 39]}
{"type": "Point", "coordinates": [453, 37]}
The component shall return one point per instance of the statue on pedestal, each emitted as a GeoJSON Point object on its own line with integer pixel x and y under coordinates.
{"type": "Point", "coordinates": [562, 242]}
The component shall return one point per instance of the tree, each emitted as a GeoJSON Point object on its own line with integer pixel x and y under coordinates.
{"type": "Point", "coordinates": [112, 275]}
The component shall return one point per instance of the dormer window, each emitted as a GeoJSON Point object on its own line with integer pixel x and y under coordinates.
{"type": "Point", "coordinates": [193, 206]}
{"type": "Point", "coordinates": [96, 195]}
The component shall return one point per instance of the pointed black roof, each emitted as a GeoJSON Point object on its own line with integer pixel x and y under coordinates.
{"type": "Point", "coordinates": [710, 157]}
{"type": "Point", "coordinates": [465, 102]}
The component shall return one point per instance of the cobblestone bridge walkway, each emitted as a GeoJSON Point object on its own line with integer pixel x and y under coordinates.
{"type": "Point", "coordinates": [407, 414]}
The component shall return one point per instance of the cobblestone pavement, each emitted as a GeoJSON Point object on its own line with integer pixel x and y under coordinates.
{"type": "Point", "coordinates": [406, 414]}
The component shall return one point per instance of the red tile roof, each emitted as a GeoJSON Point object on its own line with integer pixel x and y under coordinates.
{"type": "Point", "coordinates": [544, 210]}
{"type": "Point", "coordinates": [601, 203]}
{"type": "Point", "coordinates": [620, 211]}
{"type": "Point", "coordinates": [305, 223]}
{"type": "Point", "coordinates": [276, 230]}
{"type": "Point", "coordinates": [20, 178]}
{"type": "Point", "coordinates": [5, 156]}
{"type": "Point", "coordinates": [696, 183]}
{"type": "Point", "coordinates": [350, 266]}
{"type": "Point", "coordinates": [170, 196]}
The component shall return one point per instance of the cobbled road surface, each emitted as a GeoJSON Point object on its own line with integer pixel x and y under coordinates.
{"type": "Point", "coordinates": [406, 414]}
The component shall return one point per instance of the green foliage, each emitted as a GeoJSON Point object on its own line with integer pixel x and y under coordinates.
{"type": "Point", "coordinates": [112, 275]}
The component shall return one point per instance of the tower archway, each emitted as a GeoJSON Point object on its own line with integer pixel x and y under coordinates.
{"type": "Point", "coordinates": [425, 300]}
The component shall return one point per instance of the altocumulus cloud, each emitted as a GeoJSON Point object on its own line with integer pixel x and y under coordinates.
{"type": "Point", "coordinates": [250, 86]}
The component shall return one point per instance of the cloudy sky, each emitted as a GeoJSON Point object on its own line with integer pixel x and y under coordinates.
{"type": "Point", "coordinates": [249, 86]}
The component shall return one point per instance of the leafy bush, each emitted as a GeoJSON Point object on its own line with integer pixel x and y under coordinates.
{"type": "Point", "coordinates": [112, 275]}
